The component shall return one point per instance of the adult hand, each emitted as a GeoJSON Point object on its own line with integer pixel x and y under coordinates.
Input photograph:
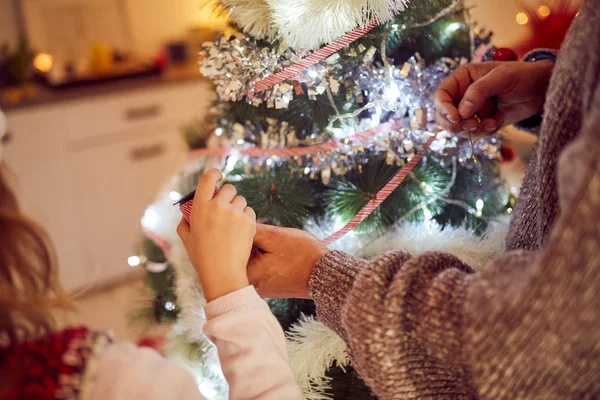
{"type": "Point", "coordinates": [283, 261]}
{"type": "Point", "coordinates": [219, 239]}
{"type": "Point", "coordinates": [518, 90]}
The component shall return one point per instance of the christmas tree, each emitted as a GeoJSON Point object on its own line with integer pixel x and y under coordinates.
{"type": "Point", "coordinates": [324, 122]}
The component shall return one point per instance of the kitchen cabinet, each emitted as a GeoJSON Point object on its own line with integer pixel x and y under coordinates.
{"type": "Point", "coordinates": [87, 168]}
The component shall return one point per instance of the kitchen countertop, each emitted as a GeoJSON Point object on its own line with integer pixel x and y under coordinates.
{"type": "Point", "coordinates": [43, 94]}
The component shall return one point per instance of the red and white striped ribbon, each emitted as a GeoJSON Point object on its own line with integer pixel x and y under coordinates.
{"type": "Point", "coordinates": [298, 151]}
{"type": "Point", "coordinates": [312, 59]}
{"type": "Point", "coordinates": [381, 196]}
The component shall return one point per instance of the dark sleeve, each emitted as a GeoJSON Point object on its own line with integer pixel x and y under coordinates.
{"type": "Point", "coordinates": [533, 124]}
{"type": "Point", "coordinates": [526, 326]}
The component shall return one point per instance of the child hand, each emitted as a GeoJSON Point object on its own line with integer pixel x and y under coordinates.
{"type": "Point", "coordinates": [219, 237]}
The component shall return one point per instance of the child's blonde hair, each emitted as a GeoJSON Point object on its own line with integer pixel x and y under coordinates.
{"type": "Point", "coordinates": [29, 286]}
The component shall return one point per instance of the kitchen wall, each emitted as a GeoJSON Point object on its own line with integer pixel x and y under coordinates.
{"type": "Point", "coordinates": [9, 31]}
{"type": "Point", "coordinates": [154, 21]}
{"type": "Point", "coordinates": [151, 22]}
{"type": "Point", "coordinates": [499, 17]}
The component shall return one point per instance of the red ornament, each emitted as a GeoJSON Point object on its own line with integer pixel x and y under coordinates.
{"type": "Point", "coordinates": [505, 54]}
{"type": "Point", "coordinates": [508, 153]}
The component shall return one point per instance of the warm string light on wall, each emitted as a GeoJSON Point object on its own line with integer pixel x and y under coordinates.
{"type": "Point", "coordinates": [544, 23]}
{"type": "Point", "coordinates": [543, 11]}
{"type": "Point", "coordinates": [522, 18]}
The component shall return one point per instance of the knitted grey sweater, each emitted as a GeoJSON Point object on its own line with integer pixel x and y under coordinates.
{"type": "Point", "coordinates": [528, 325]}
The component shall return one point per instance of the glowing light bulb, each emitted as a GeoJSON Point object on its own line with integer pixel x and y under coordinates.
{"type": "Point", "coordinates": [134, 261]}
{"type": "Point", "coordinates": [306, 170]}
{"type": "Point", "coordinates": [169, 306]}
{"type": "Point", "coordinates": [207, 389]}
{"type": "Point", "coordinates": [43, 62]}
{"type": "Point", "coordinates": [522, 18]}
{"type": "Point", "coordinates": [427, 187]}
{"type": "Point", "coordinates": [219, 131]}
{"type": "Point", "coordinates": [174, 196]}
{"type": "Point", "coordinates": [427, 213]}
{"type": "Point", "coordinates": [338, 224]}
{"type": "Point", "coordinates": [544, 11]}
{"type": "Point", "coordinates": [453, 27]}
{"type": "Point", "coordinates": [230, 164]}
{"type": "Point", "coordinates": [269, 162]}
{"type": "Point", "coordinates": [150, 218]}
{"type": "Point", "coordinates": [479, 207]}
{"type": "Point", "coordinates": [240, 141]}
{"type": "Point", "coordinates": [391, 92]}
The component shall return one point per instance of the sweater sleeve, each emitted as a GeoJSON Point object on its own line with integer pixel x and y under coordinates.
{"type": "Point", "coordinates": [526, 326]}
{"type": "Point", "coordinates": [533, 124]}
{"type": "Point", "coordinates": [251, 347]}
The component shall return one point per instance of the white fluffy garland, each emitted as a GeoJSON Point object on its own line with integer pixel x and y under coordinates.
{"type": "Point", "coordinates": [308, 23]}
{"type": "Point", "coordinates": [253, 16]}
{"type": "Point", "coordinates": [421, 238]}
{"type": "Point", "coordinates": [313, 349]}
{"type": "Point", "coordinates": [305, 24]}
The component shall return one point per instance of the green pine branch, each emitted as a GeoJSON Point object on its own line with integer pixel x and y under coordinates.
{"type": "Point", "coordinates": [278, 197]}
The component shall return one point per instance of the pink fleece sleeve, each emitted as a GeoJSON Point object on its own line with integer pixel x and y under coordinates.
{"type": "Point", "coordinates": [251, 347]}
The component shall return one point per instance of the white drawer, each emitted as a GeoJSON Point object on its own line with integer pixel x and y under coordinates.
{"type": "Point", "coordinates": [36, 156]}
{"type": "Point", "coordinates": [140, 109]}
{"type": "Point", "coordinates": [112, 186]}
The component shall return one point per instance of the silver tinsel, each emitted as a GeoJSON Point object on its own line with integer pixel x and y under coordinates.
{"type": "Point", "coordinates": [235, 64]}
{"type": "Point", "coordinates": [375, 94]}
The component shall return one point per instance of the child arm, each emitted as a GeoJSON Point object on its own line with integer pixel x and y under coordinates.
{"type": "Point", "coordinates": [251, 347]}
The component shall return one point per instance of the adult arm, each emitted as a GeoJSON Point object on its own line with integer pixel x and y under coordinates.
{"type": "Point", "coordinates": [526, 326]}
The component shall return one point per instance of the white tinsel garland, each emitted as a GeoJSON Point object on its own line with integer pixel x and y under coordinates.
{"type": "Point", "coordinates": [252, 16]}
{"type": "Point", "coordinates": [421, 238]}
{"type": "Point", "coordinates": [313, 349]}
{"type": "Point", "coordinates": [309, 23]}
